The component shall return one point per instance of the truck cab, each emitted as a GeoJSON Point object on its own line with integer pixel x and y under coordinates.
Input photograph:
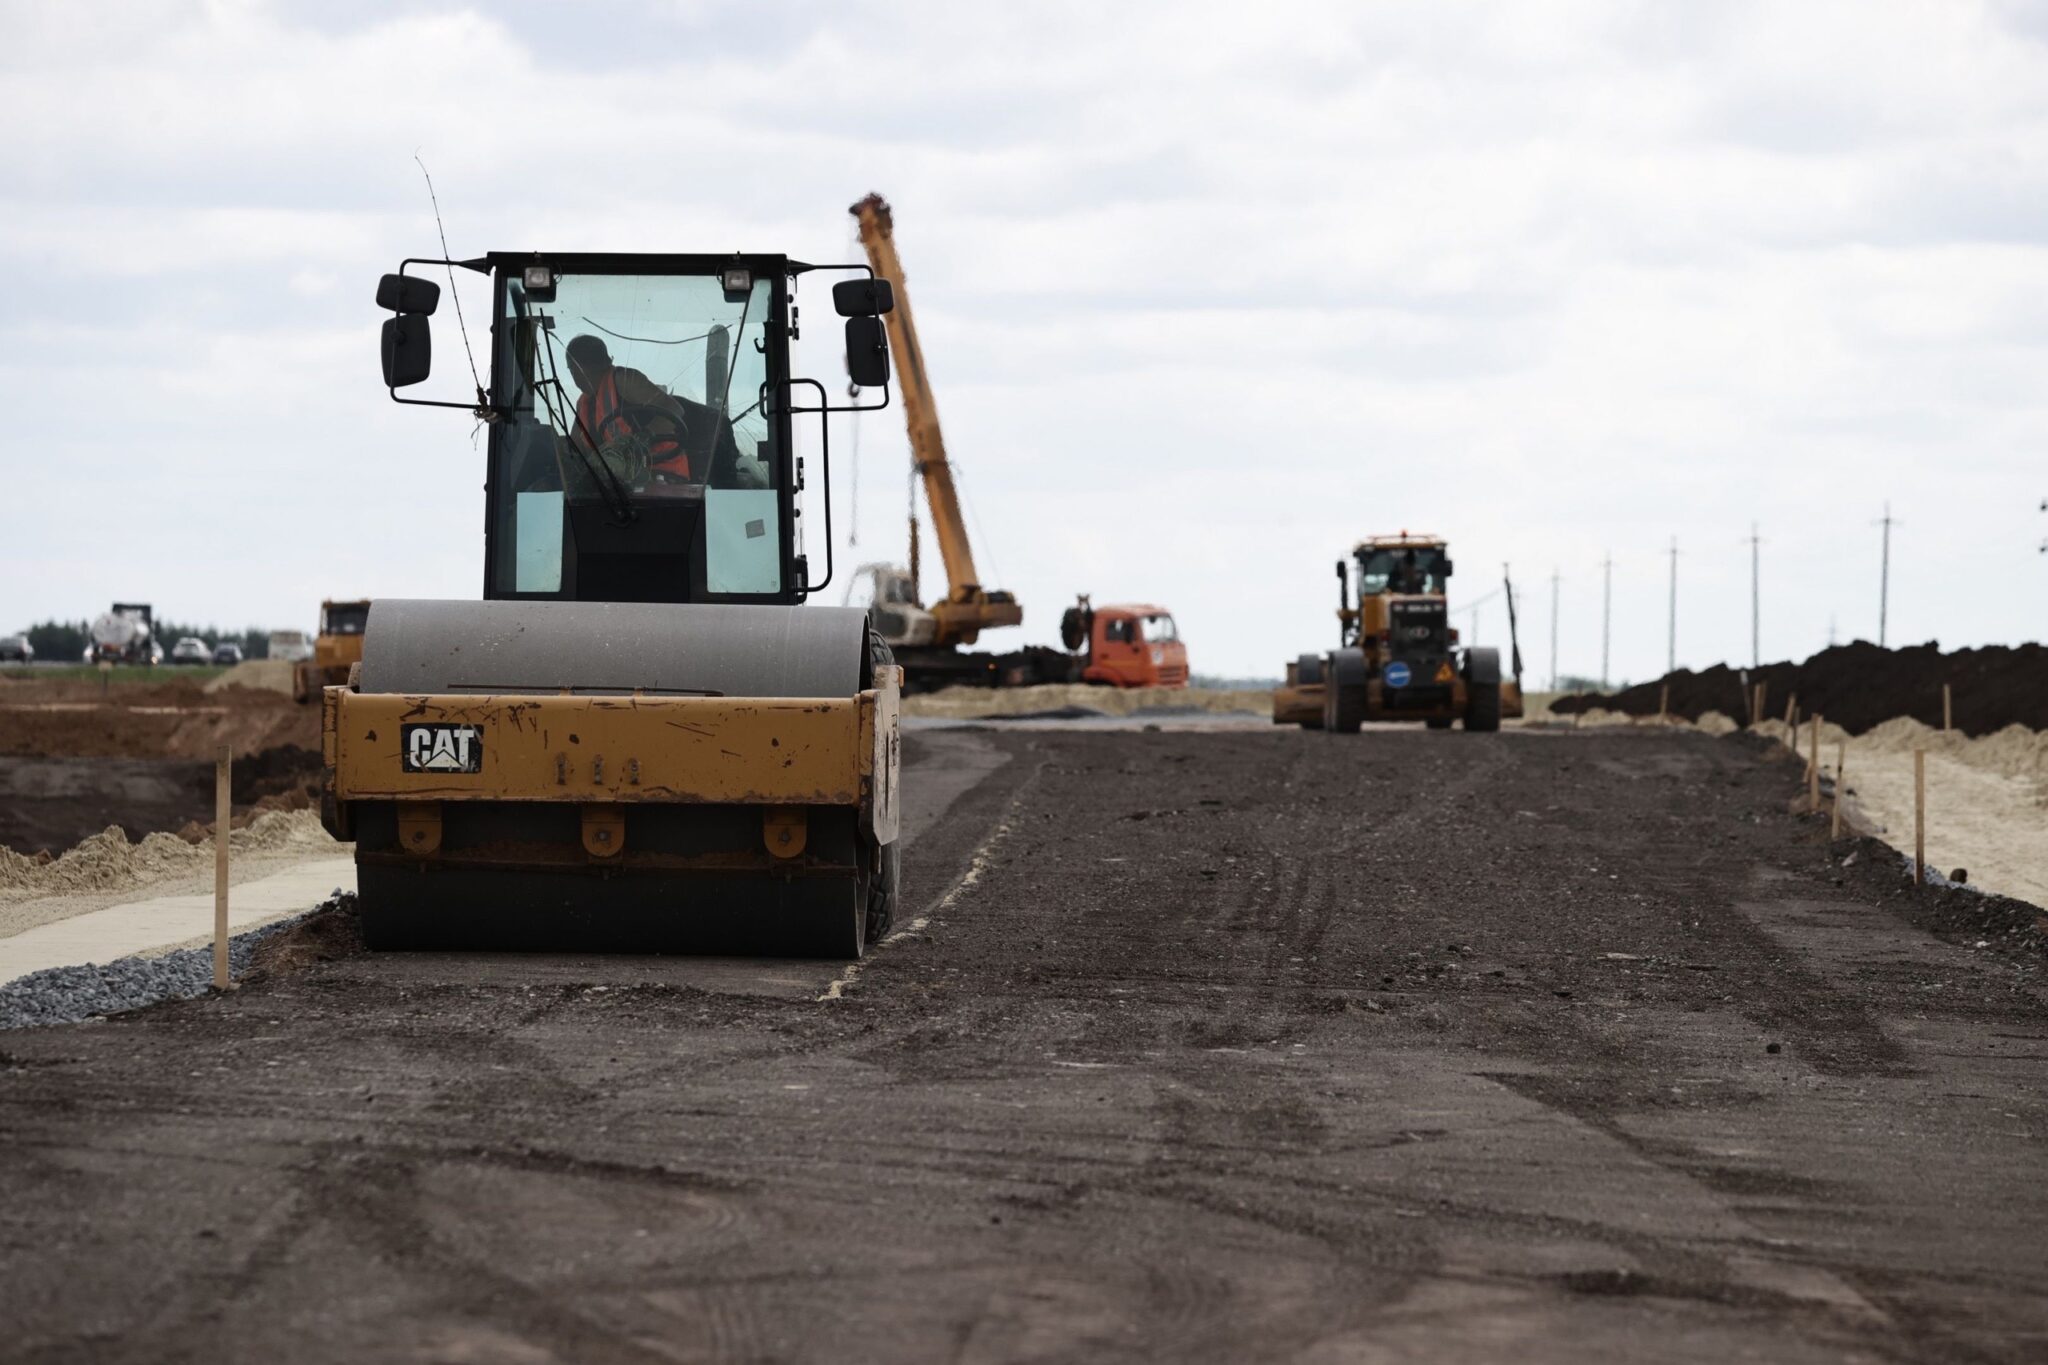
{"type": "Point", "coordinates": [1135, 645]}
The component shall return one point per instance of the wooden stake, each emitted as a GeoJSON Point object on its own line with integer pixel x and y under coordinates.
{"type": "Point", "coordinates": [1664, 704]}
{"type": "Point", "coordinates": [1919, 817]}
{"type": "Point", "coordinates": [1756, 713]}
{"type": "Point", "coordinates": [1813, 765]}
{"type": "Point", "coordinates": [222, 810]}
{"type": "Point", "coordinates": [1792, 709]}
{"type": "Point", "coordinates": [1841, 756]}
{"type": "Point", "coordinates": [1948, 714]}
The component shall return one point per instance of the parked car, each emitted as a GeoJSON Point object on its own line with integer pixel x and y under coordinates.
{"type": "Point", "coordinates": [16, 649]}
{"type": "Point", "coordinates": [190, 650]}
{"type": "Point", "coordinates": [227, 652]}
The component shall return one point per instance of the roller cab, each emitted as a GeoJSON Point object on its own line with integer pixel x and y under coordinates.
{"type": "Point", "coordinates": [640, 739]}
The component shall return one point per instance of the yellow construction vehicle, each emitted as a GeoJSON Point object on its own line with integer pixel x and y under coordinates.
{"type": "Point", "coordinates": [637, 740]}
{"type": "Point", "coordinates": [1397, 656]}
{"type": "Point", "coordinates": [338, 648]}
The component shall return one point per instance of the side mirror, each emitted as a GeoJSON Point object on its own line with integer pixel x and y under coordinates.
{"type": "Point", "coordinates": [867, 352]}
{"type": "Point", "coordinates": [1447, 568]}
{"type": "Point", "coordinates": [1340, 568]}
{"type": "Point", "coordinates": [408, 294]}
{"type": "Point", "coordinates": [869, 298]}
{"type": "Point", "coordinates": [408, 350]}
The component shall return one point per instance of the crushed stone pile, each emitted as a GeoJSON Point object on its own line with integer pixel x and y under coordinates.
{"type": "Point", "coordinates": [108, 862]}
{"type": "Point", "coordinates": [67, 995]}
{"type": "Point", "coordinates": [1859, 686]}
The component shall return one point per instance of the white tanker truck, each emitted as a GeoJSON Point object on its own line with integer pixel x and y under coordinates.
{"type": "Point", "coordinates": [126, 635]}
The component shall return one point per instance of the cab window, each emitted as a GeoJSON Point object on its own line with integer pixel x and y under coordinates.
{"type": "Point", "coordinates": [1159, 628]}
{"type": "Point", "coordinates": [1417, 569]}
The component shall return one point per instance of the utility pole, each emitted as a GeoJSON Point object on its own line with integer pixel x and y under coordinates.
{"type": "Point", "coordinates": [1756, 654]}
{"type": "Point", "coordinates": [1553, 627]}
{"type": "Point", "coordinates": [1671, 637]}
{"type": "Point", "coordinates": [1606, 613]}
{"type": "Point", "coordinates": [1884, 575]}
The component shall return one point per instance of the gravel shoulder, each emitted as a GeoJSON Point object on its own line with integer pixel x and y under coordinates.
{"type": "Point", "coordinates": [1232, 1045]}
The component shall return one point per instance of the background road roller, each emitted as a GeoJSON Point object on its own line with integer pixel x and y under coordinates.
{"type": "Point", "coordinates": [639, 740]}
{"type": "Point", "coordinates": [1397, 657]}
{"type": "Point", "coordinates": [338, 648]}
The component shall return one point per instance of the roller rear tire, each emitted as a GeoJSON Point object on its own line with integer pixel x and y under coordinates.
{"type": "Point", "coordinates": [884, 891]}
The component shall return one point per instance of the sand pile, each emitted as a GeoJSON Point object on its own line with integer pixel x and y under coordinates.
{"type": "Point", "coordinates": [968, 703]}
{"type": "Point", "coordinates": [108, 862]}
{"type": "Point", "coordinates": [258, 675]}
{"type": "Point", "coordinates": [1987, 798]}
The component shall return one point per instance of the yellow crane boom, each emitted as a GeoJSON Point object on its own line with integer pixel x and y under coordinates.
{"type": "Point", "coordinates": [968, 608]}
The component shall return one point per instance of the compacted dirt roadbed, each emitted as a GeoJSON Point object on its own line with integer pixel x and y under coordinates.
{"type": "Point", "coordinates": [1236, 1046]}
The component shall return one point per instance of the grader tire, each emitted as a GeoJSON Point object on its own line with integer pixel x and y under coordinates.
{"type": "Point", "coordinates": [1482, 712]}
{"type": "Point", "coordinates": [1343, 709]}
{"type": "Point", "coordinates": [1439, 722]}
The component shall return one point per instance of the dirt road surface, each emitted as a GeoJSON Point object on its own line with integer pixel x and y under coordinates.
{"type": "Point", "coordinates": [1227, 1046]}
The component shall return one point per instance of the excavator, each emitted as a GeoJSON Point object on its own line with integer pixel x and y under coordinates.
{"type": "Point", "coordinates": [1111, 645]}
{"type": "Point", "coordinates": [636, 741]}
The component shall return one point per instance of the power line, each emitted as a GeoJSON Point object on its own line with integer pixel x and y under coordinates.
{"type": "Point", "coordinates": [1756, 656]}
{"type": "Point", "coordinates": [1884, 574]}
{"type": "Point", "coordinates": [1606, 613]}
{"type": "Point", "coordinates": [1671, 634]}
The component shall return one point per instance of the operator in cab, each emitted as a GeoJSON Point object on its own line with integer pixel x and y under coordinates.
{"type": "Point", "coordinates": [621, 407]}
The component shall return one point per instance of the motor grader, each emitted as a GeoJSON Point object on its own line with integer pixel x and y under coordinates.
{"type": "Point", "coordinates": [639, 739]}
{"type": "Point", "coordinates": [1397, 657]}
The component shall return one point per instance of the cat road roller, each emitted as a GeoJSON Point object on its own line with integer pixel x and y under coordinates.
{"type": "Point", "coordinates": [639, 740]}
{"type": "Point", "coordinates": [1397, 656]}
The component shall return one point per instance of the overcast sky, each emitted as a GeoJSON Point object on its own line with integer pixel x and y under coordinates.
{"type": "Point", "coordinates": [1207, 291]}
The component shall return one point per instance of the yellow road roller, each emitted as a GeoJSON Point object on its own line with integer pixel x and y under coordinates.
{"type": "Point", "coordinates": [640, 739]}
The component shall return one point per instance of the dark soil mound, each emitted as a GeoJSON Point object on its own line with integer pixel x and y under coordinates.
{"type": "Point", "coordinates": [52, 803]}
{"type": "Point", "coordinates": [1857, 686]}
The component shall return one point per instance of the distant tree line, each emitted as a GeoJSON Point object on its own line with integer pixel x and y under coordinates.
{"type": "Point", "coordinates": [68, 639]}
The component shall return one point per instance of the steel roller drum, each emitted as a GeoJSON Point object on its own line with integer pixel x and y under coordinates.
{"type": "Point", "coordinates": [428, 646]}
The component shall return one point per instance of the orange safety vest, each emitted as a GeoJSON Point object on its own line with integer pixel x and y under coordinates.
{"type": "Point", "coordinates": [599, 409]}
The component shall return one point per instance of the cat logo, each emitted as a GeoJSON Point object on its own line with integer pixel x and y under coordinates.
{"type": "Point", "coordinates": [441, 749]}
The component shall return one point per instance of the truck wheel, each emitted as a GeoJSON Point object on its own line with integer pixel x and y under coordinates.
{"type": "Point", "coordinates": [1482, 712]}
{"type": "Point", "coordinates": [1439, 722]}
{"type": "Point", "coordinates": [884, 891]}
